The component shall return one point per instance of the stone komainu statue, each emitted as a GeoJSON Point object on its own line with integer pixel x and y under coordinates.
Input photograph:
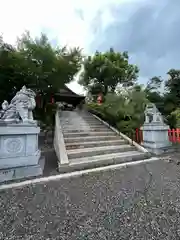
{"type": "Point", "coordinates": [152, 114]}
{"type": "Point", "coordinates": [20, 107]}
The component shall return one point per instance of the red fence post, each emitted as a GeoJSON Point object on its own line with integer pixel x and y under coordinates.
{"type": "Point", "coordinates": [178, 134]}
{"type": "Point", "coordinates": [169, 135]}
{"type": "Point", "coordinates": [137, 135]}
{"type": "Point", "coordinates": [173, 135]}
{"type": "Point", "coordinates": [141, 136]}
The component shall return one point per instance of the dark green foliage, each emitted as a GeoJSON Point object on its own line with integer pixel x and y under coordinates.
{"type": "Point", "coordinates": [123, 112]}
{"type": "Point", "coordinates": [125, 109]}
{"type": "Point", "coordinates": [104, 71]}
{"type": "Point", "coordinates": [36, 64]}
{"type": "Point", "coordinates": [39, 66]}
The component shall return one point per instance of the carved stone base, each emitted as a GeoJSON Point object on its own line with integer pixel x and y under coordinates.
{"type": "Point", "coordinates": [22, 172]}
{"type": "Point", "coordinates": [155, 138]}
{"type": "Point", "coordinates": [19, 145]}
{"type": "Point", "coordinates": [20, 161]}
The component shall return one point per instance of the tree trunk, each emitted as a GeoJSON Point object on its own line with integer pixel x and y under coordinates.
{"type": "Point", "coordinates": [105, 90]}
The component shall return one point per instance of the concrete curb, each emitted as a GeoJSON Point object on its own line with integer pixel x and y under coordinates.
{"type": "Point", "coordinates": [74, 174]}
{"type": "Point", "coordinates": [139, 147]}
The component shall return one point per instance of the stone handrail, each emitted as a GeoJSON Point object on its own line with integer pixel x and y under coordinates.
{"type": "Point", "coordinates": [139, 147]}
{"type": "Point", "coordinates": [59, 144]}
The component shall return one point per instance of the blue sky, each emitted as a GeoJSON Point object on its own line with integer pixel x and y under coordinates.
{"type": "Point", "coordinates": [148, 29]}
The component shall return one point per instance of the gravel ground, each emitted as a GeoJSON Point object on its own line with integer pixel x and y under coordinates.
{"type": "Point", "coordinates": [137, 202]}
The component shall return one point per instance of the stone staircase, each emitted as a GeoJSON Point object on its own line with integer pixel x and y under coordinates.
{"type": "Point", "coordinates": [89, 143]}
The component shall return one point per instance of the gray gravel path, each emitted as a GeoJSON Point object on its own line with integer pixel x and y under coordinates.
{"type": "Point", "coordinates": [138, 202]}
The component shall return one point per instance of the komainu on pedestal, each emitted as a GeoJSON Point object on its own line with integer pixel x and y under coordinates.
{"type": "Point", "coordinates": [20, 108]}
{"type": "Point", "coordinates": [19, 153]}
{"type": "Point", "coordinates": [155, 131]}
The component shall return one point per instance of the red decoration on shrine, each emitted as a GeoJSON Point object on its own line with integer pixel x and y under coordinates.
{"type": "Point", "coordinates": [52, 100]}
{"type": "Point", "coordinates": [38, 100]}
{"type": "Point", "coordinates": [99, 99]}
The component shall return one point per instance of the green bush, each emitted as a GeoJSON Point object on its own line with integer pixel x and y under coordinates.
{"type": "Point", "coordinates": [126, 114]}
{"type": "Point", "coordinates": [174, 119]}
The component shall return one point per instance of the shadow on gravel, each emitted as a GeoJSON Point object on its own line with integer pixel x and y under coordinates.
{"type": "Point", "coordinates": [48, 152]}
{"type": "Point", "coordinates": [50, 167]}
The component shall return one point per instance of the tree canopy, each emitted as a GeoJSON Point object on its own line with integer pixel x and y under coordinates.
{"type": "Point", "coordinates": [104, 71]}
{"type": "Point", "coordinates": [125, 108]}
{"type": "Point", "coordinates": [36, 64]}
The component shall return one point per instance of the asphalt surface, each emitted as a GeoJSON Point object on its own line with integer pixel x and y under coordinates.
{"type": "Point", "coordinates": [138, 202]}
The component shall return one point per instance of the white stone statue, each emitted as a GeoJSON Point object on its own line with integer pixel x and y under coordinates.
{"type": "Point", "coordinates": [152, 114]}
{"type": "Point", "coordinates": [4, 105]}
{"type": "Point", "coordinates": [20, 107]}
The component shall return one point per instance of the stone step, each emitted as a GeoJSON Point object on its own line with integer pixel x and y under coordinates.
{"type": "Point", "coordinates": [89, 117]}
{"type": "Point", "coordinates": [78, 118]}
{"type": "Point", "coordinates": [84, 126]}
{"type": "Point", "coordinates": [71, 127]}
{"type": "Point", "coordinates": [94, 123]}
{"type": "Point", "coordinates": [92, 120]}
{"type": "Point", "coordinates": [72, 130]}
{"type": "Point", "coordinates": [95, 151]}
{"type": "Point", "coordinates": [86, 134]}
{"type": "Point", "coordinates": [103, 160]}
{"type": "Point", "coordinates": [90, 139]}
{"type": "Point", "coordinates": [77, 145]}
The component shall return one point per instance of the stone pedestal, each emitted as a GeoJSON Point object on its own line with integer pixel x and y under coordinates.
{"type": "Point", "coordinates": [19, 153]}
{"type": "Point", "coordinates": [155, 137]}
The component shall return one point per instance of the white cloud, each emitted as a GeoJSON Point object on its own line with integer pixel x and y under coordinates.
{"type": "Point", "coordinates": [59, 19]}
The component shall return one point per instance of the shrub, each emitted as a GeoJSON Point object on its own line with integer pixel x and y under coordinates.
{"type": "Point", "coordinates": [174, 119]}
{"type": "Point", "coordinates": [126, 114]}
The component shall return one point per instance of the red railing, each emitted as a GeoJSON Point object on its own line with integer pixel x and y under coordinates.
{"type": "Point", "coordinates": [139, 135]}
{"type": "Point", "coordinates": [174, 135]}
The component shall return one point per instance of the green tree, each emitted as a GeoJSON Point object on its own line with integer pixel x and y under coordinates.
{"type": "Point", "coordinates": [154, 92]}
{"type": "Point", "coordinates": [108, 70]}
{"type": "Point", "coordinates": [154, 84]}
{"type": "Point", "coordinates": [12, 70]}
{"type": "Point", "coordinates": [50, 68]}
{"type": "Point", "coordinates": [173, 89]}
{"type": "Point", "coordinates": [36, 64]}
{"type": "Point", "coordinates": [124, 111]}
